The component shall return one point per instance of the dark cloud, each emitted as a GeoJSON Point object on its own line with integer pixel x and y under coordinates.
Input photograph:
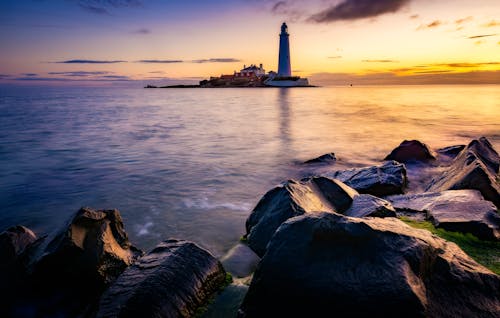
{"type": "Point", "coordinates": [335, 57]}
{"type": "Point", "coordinates": [116, 77]}
{"type": "Point", "coordinates": [466, 64]}
{"type": "Point", "coordinates": [38, 78]}
{"type": "Point", "coordinates": [380, 61]}
{"type": "Point", "coordinates": [104, 6]}
{"type": "Point", "coordinates": [289, 9]}
{"type": "Point", "coordinates": [217, 60]}
{"type": "Point", "coordinates": [414, 16]}
{"type": "Point", "coordinates": [433, 24]}
{"type": "Point", "coordinates": [142, 31]}
{"type": "Point", "coordinates": [358, 9]}
{"type": "Point", "coordinates": [90, 62]}
{"type": "Point", "coordinates": [79, 73]}
{"type": "Point", "coordinates": [463, 20]}
{"type": "Point", "coordinates": [4, 76]}
{"type": "Point", "coordinates": [492, 23]}
{"type": "Point", "coordinates": [30, 74]}
{"type": "Point", "coordinates": [481, 36]}
{"type": "Point", "coordinates": [157, 72]}
{"type": "Point", "coordinates": [160, 61]}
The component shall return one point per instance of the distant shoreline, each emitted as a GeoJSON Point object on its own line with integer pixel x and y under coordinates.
{"type": "Point", "coordinates": [199, 86]}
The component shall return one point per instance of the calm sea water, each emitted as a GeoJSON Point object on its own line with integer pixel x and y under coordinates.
{"type": "Point", "coordinates": [192, 163]}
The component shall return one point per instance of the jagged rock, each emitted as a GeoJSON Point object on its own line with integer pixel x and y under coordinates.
{"type": "Point", "coordinates": [173, 280]}
{"type": "Point", "coordinates": [451, 151]}
{"type": "Point", "coordinates": [240, 261]}
{"type": "Point", "coordinates": [369, 205]}
{"type": "Point", "coordinates": [326, 158]}
{"type": "Point", "coordinates": [411, 150]}
{"type": "Point", "coordinates": [92, 250]}
{"type": "Point", "coordinates": [291, 199]}
{"type": "Point", "coordinates": [354, 267]}
{"type": "Point", "coordinates": [13, 242]}
{"type": "Point", "coordinates": [476, 167]}
{"type": "Point", "coordinates": [389, 178]}
{"type": "Point", "coordinates": [454, 210]}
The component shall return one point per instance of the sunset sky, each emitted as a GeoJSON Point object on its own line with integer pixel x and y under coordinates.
{"type": "Point", "coordinates": [332, 42]}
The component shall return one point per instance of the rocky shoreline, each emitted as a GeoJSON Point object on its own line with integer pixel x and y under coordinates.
{"type": "Point", "coordinates": [333, 242]}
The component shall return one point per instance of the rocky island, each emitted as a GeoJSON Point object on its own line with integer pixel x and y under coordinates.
{"type": "Point", "coordinates": [351, 241]}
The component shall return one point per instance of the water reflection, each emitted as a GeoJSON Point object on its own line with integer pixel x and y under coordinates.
{"type": "Point", "coordinates": [284, 120]}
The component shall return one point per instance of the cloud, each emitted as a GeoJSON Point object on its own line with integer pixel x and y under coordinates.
{"type": "Point", "coordinates": [30, 74]}
{"type": "Point", "coordinates": [433, 24]}
{"type": "Point", "coordinates": [157, 72]}
{"type": "Point", "coordinates": [217, 60]}
{"type": "Point", "coordinates": [414, 16]}
{"type": "Point", "coordinates": [465, 64]}
{"type": "Point", "coordinates": [481, 36]}
{"type": "Point", "coordinates": [358, 9]}
{"type": "Point", "coordinates": [492, 23]}
{"type": "Point", "coordinates": [89, 62]}
{"type": "Point", "coordinates": [2, 76]}
{"type": "Point", "coordinates": [103, 7]}
{"type": "Point", "coordinates": [79, 73]}
{"type": "Point", "coordinates": [335, 57]}
{"type": "Point", "coordinates": [142, 31]}
{"type": "Point", "coordinates": [380, 61]}
{"type": "Point", "coordinates": [287, 8]}
{"type": "Point", "coordinates": [160, 61]}
{"type": "Point", "coordinates": [116, 77]}
{"type": "Point", "coordinates": [463, 20]}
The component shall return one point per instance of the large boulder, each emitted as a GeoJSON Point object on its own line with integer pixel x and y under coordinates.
{"type": "Point", "coordinates": [389, 178]}
{"type": "Point", "coordinates": [13, 243]}
{"type": "Point", "coordinates": [453, 210]}
{"type": "Point", "coordinates": [476, 167]}
{"type": "Point", "coordinates": [327, 158]}
{"type": "Point", "coordinates": [173, 280]}
{"type": "Point", "coordinates": [368, 205]}
{"type": "Point", "coordinates": [354, 267]}
{"type": "Point", "coordinates": [294, 198]}
{"type": "Point", "coordinates": [91, 251]}
{"type": "Point", "coordinates": [240, 261]}
{"type": "Point", "coordinates": [411, 150]}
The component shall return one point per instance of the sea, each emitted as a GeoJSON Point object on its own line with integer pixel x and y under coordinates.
{"type": "Point", "coordinates": [192, 163]}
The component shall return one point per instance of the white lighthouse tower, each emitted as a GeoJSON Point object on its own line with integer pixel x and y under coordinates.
{"type": "Point", "coordinates": [284, 68]}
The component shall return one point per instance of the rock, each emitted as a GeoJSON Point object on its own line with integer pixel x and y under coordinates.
{"type": "Point", "coordinates": [92, 250]}
{"type": "Point", "coordinates": [227, 303]}
{"type": "Point", "coordinates": [369, 205]}
{"type": "Point", "coordinates": [389, 178]}
{"type": "Point", "coordinates": [13, 242]}
{"type": "Point", "coordinates": [173, 280]}
{"type": "Point", "coordinates": [240, 261]}
{"type": "Point", "coordinates": [451, 151]}
{"type": "Point", "coordinates": [411, 150]}
{"type": "Point", "coordinates": [455, 210]}
{"type": "Point", "coordinates": [326, 158]}
{"type": "Point", "coordinates": [291, 199]}
{"type": "Point", "coordinates": [328, 263]}
{"type": "Point", "coordinates": [476, 167]}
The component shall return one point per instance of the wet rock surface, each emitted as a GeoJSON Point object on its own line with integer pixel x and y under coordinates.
{"type": "Point", "coordinates": [455, 210]}
{"type": "Point", "coordinates": [411, 150]}
{"type": "Point", "coordinates": [240, 261]}
{"type": "Point", "coordinates": [389, 178]}
{"type": "Point", "coordinates": [369, 205]}
{"type": "Point", "coordinates": [173, 280]}
{"type": "Point", "coordinates": [327, 158]}
{"type": "Point", "coordinates": [318, 263]}
{"type": "Point", "coordinates": [93, 250]}
{"type": "Point", "coordinates": [476, 167]}
{"type": "Point", "coordinates": [294, 198]}
{"type": "Point", "coordinates": [13, 242]}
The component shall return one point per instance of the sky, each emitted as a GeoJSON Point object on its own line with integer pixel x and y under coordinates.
{"type": "Point", "coordinates": [62, 42]}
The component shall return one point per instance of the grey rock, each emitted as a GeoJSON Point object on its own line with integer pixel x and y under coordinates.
{"type": "Point", "coordinates": [350, 267]}
{"type": "Point", "coordinates": [240, 261]}
{"type": "Point", "coordinates": [326, 158]}
{"type": "Point", "coordinates": [411, 150]}
{"type": "Point", "coordinates": [92, 250]}
{"type": "Point", "coordinates": [389, 178]}
{"type": "Point", "coordinates": [476, 167]}
{"type": "Point", "coordinates": [13, 242]}
{"type": "Point", "coordinates": [291, 199]}
{"type": "Point", "coordinates": [173, 280]}
{"type": "Point", "coordinates": [451, 151]}
{"type": "Point", "coordinates": [454, 210]}
{"type": "Point", "coordinates": [369, 205]}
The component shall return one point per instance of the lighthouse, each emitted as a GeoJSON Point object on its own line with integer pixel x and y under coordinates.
{"type": "Point", "coordinates": [284, 68]}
